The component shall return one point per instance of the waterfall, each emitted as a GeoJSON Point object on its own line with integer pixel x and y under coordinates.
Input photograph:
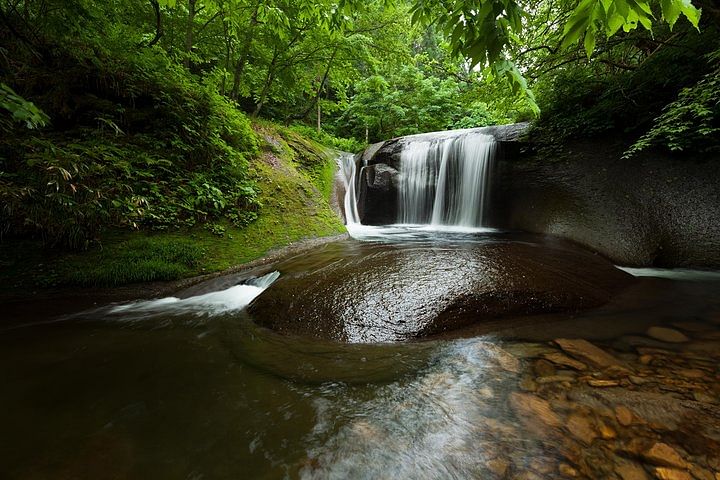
{"type": "Point", "coordinates": [445, 180]}
{"type": "Point", "coordinates": [346, 162]}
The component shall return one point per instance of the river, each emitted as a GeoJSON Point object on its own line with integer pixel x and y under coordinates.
{"type": "Point", "coordinates": [192, 388]}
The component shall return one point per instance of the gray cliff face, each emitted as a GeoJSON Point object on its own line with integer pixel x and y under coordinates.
{"type": "Point", "coordinates": [652, 210]}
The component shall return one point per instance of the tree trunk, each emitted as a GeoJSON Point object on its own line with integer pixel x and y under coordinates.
{"type": "Point", "coordinates": [158, 23]}
{"type": "Point", "coordinates": [316, 99]}
{"type": "Point", "coordinates": [319, 124]}
{"type": "Point", "coordinates": [228, 47]}
{"type": "Point", "coordinates": [244, 54]}
{"type": "Point", "coordinates": [189, 30]}
{"type": "Point", "coordinates": [268, 83]}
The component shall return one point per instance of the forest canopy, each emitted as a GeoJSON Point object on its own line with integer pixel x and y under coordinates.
{"type": "Point", "coordinates": [140, 112]}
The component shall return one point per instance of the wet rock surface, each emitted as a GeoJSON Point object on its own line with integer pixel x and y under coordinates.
{"type": "Point", "coordinates": [388, 293]}
{"type": "Point", "coordinates": [380, 169]}
{"type": "Point", "coordinates": [652, 210]}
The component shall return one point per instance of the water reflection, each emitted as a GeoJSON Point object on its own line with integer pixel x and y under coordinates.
{"type": "Point", "coordinates": [437, 424]}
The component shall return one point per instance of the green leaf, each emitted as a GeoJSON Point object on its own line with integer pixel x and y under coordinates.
{"type": "Point", "coordinates": [690, 12]}
{"type": "Point", "coordinates": [614, 23]}
{"type": "Point", "coordinates": [589, 42]}
{"type": "Point", "coordinates": [670, 10]}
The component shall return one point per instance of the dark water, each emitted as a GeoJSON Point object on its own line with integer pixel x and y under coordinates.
{"type": "Point", "coordinates": [192, 389]}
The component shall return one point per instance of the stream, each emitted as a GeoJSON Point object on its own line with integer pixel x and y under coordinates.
{"type": "Point", "coordinates": [189, 387]}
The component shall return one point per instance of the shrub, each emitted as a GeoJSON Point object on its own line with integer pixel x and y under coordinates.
{"type": "Point", "coordinates": [134, 142]}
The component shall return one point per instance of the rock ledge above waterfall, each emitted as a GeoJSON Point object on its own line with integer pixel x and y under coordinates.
{"type": "Point", "coordinates": [388, 151]}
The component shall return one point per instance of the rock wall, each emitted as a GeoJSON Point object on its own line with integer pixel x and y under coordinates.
{"type": "Point", "coordinates": [652, 210]}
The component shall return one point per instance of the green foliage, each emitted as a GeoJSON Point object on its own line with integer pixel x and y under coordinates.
{"type": "Point", "coordinates": [142, 145]}
{"type": "Point", "coordinates": [586, 100]}
{"type": "Point", "coordinates": [487, 31]}
{"type": "Point", "coordinates": [592, 18]}
{"type": "Point", "coordinates": [478, 115]}
{"type": "Point", "coordinates": [690, 123]}
{"type": "Point", "coordinates": [20, 109]}
{"type": "Point", "coordinates": [343, 144]}
{"type": "Point", "coordinates": [143, 259]}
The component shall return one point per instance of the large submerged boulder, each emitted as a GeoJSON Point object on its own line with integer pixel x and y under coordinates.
{"type": "Point", "coordinates": [392, 293]}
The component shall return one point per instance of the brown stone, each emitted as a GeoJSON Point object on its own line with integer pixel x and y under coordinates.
{"type": "Point", "coordinates": [691, 373]}
{"type": "Point", "coordinates": [498, 466]}
{"type": "Point", "coordinates": [527, 384]}
{"type": "Point", "coordinates": [617, 371]}
{"type": "Point", "coordinates": [624, 415]}
{"type": "Point", "coordinates": [631, 471]}
{"type": "Point", "coordinates": [527, 476]}
{"type": "Point", "coordinates": [663, 454]}
{"type": "Point", "coordinates": [603, 383]}
{"type": "Point", "coordinates": [645, 359]}
{"type": "Point", "coordinates": [587, 352]}
{"type": "Point", "coordinates": [703, 397]}
{"type": "Point", "coordinates": [554, 379]}
{"type": "Point", "coordinates": [543, 368]}
{"type": "Point", "coordinates": [638, 380]}
{"type": "Point", "coordinates": [607, 432]}
{"type": "Point", "coordinates": [563, 360]}
{"type": "Point", "coordinates": [701, 473]}
{"type": "Point", "coordinates": [567, 470]}
{"type": "Point", "coordinates": [581, 428]}
{"type": "Point", "coordinates": [485, 392]}
{"type": "Point", "coordinates": [505, 359]}
{"type": "Point", "coordinates": [542, 465]}
{"type": "Point", "coordinates": [664, 473]}
{"type": "Point", "coordinates": [531, 408]}
{"type": "Point", "coordinates": [664, 334]}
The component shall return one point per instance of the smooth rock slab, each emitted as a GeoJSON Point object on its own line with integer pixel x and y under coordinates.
{"type": "Point", "coordinates": [385, 293]}
{"type": "Point", "coordinates": [665, 334]}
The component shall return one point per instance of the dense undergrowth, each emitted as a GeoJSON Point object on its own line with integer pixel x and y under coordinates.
{"type": "Point", "coordinates": [143, 173]}
{"type": "Point", "coordinates": [292, 176]}
{"type": "Point", "coordinates": [134, 142]}
{"type": "Point", "coordinates": [670, 101]}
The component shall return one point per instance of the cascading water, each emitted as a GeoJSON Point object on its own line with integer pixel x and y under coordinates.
{"type": "Point", "coordinates": [445, 181]}
{"type": "Point", "coordinates": [348, 171]}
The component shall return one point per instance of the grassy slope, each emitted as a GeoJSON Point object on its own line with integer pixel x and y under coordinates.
{"type": "Point", "coordinates": [295, 176]}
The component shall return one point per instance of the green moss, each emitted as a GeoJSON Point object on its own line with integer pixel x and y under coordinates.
{"type": "Point", "coordinates": [294, 180]}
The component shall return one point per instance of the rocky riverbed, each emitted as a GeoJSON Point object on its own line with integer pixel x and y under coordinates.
{"type": "Point", "coordinates": [641, 407]}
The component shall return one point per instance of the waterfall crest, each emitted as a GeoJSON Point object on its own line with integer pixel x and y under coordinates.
{"type": "Point", "coordinates": [445, 181]}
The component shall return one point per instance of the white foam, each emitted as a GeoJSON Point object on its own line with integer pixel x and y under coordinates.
{"type": "Point", "coordinates": [214, 303]}
{"type": "Point", "coordinates": [674, 273]}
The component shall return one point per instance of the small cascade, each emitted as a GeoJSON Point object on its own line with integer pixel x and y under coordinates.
{"type": "Point", "coordinates": [348, 171]}
{"type": "Point", "coordinates": [445, 181]}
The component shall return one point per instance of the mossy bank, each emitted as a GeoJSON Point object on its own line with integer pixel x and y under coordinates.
{"type": "Point", "coordinates": [293, 177]}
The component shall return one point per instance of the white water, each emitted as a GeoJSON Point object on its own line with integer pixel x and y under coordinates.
{"type": "Point", "coordinates": [211, 304]}
{"type": "Point", "coordinates": [684, 274]}
{"type": "Point", "coordinates": [348, 171]}
{"type": "Point", "coordinates": [445, 181]}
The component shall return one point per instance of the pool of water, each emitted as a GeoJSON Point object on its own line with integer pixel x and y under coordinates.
{"type": "Point", "coordinates": [189, 387]}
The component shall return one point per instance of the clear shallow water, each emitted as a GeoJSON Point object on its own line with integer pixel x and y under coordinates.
{"type": "Point", "coordinates": [189, 387]}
